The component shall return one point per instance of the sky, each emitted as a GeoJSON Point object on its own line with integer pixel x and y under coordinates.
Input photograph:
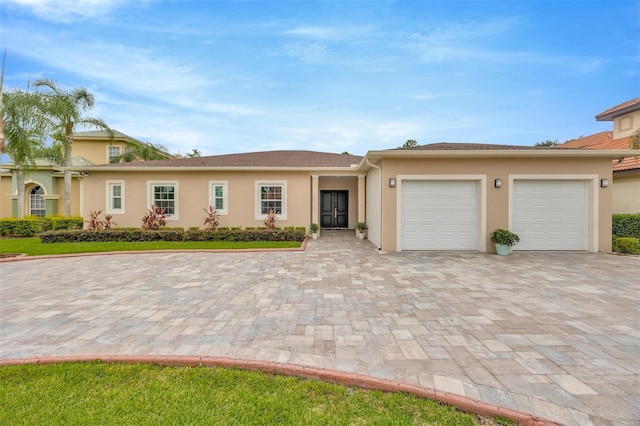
{"type": "Point", "coordinates": [333, 76]}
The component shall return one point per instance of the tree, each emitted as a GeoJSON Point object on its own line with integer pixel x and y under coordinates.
{"type": "Point", "coordinates": [142, 151]}
{"type": "Point", "coordinates": [345, 153]}
{"type": "Point", "coordinates": [548, 143]}
{"type": "Point", "coordinates": [193, 154]}
{"type": "Point", "coordinates": [635, 140]}
{"type": "Point", "coordinates": [2, 137]}
{"type": "Point", "coordinates": [25, 129]}
{"type": "Point", "coordinates": [66, 108]}
{"type": "Point", "coordinates": [410, 143]}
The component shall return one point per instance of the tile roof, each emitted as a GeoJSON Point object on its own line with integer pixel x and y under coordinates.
{"type": "Point", "coordinates": [623, 108]}
{"type": "Point", "coordinates": [586, 141]}
{"type": "Point", "coordinates": [604, 140]}
{"type": "Point", "coordinates": [286, 159]}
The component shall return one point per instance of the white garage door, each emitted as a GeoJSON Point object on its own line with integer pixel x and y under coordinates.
{"type": "Point", "coordinates": [550, 215]}
{"type": "Point", "coordinates": [439, 215]}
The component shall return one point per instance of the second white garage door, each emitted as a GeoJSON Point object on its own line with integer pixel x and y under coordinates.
{"type": "Point", "coordinates": [550, 214]}
{"type": "Point", "coordinates": [439, 215]}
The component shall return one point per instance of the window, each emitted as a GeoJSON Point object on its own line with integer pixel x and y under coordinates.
{"type": "Point", "coordinates": [115, 197]}
{"type": "Point", "coordinates": [165, 196]}
{"type": "Point", "coordinates": [37, 205]}
{"type": "Point", "coordinates": [271, 195]}
{"type": "Point", "coordinates": [218, 196]}
{"type": "Point", "coordinates": [114, 154]}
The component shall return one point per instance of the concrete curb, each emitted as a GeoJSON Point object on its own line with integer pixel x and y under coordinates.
{"type": "Point", "coordinates": [463, 403]}
{"type": "Point", "coordinates": [22, 257]}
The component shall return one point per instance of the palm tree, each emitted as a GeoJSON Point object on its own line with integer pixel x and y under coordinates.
{"type": "Point", "coordinates": [66, 108]}
{"type": "Point", "coordinates": [25, 130]}
{"type": "Point", "coordinates": [2, 147]}
{"type": "Point", "coordinates": [142, 151]}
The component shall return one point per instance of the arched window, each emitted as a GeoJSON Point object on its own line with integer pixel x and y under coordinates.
{"type": "Point", "coordinates": [37, 205]}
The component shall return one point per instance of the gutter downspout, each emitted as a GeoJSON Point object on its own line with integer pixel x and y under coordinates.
{"type": "Point", "coordinates": [381, 203]}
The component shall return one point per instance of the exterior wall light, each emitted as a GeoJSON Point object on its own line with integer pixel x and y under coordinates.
{"type": "Point", "coordinates": [392, 182]}
{"type": "Point", "coordinates": [604, 183]}
{"type": "Point", "coordinates": [497, 183]}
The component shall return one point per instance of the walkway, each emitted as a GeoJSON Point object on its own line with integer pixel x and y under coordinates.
{"type": "Point", "coordinates": [554, 334]}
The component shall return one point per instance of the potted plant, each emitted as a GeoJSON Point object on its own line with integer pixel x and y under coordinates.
{"type": "Point", "coordinates": [361, 227]}
{"type": "Point", "coordinates": [314, 229]}
{"type": "Point", "coordinates": [503, 240]}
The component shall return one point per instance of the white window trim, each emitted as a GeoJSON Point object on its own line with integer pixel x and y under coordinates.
{"type": "Point", "coordinates": [260, 183]}
{"type": "Point", "coordinates": [113, 146]}
{"type": "Point", "coordinates": [109, 184]}
{"type": "Point", "coordinates": [152, 183]}
{"type": "Point", "coordinates": [225, 195]}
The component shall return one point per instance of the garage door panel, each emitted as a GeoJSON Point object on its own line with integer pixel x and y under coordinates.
{"type": "Point", "coordinates": [439, 215]}
{"type": "Point", "coordinates": [550, 214]}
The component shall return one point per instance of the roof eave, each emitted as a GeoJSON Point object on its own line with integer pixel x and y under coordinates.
{"type": "Point", "coordinates": [214, 168]}
{"type": "Point", "coordinates": [610, 116]}
{"type": "Point", "coordinates": [525, 153]}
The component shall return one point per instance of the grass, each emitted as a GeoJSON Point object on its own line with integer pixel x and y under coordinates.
{"type": "Point", "coordinates": [33, 246]}
{"type": "Point", "coordinates": [98, 393]}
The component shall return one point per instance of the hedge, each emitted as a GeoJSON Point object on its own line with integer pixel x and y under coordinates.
{"type": "Point", "coordinates": [626, 225]}
{"type": "Point", "coordinates": [139, 235]}
{"type": "Point", "coordinates": [31, 225]}
{"type": "Point", "coordinates": [627, 245]}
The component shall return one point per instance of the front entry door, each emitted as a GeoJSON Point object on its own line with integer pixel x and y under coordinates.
{"type": "Point", "coordinates": [334, 209]}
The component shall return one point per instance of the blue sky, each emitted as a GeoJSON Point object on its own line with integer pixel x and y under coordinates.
{"type": "Point", "coordinates": [240, 76]}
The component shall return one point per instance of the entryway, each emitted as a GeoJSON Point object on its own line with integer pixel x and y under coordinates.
{"type": "Point", "coordinates": [334, 209]}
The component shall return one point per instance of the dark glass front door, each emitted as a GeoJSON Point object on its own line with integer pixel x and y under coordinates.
{"type": "Point", "coordinates": [334, 209]}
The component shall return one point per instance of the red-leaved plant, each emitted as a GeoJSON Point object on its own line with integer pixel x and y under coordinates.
{"type": "Point", "coordinates": [212, 220]}
{"type": "Point", "coordinates": [153, 219]}
{"type": "Point", "coordinates": [96, 224]}
{"type": "Point", "coordinates": [270, 220]}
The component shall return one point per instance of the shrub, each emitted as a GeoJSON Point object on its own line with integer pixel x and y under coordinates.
{"type": "Point", "coordinates": [626, 225]}
{"type": "Point", "coordinates": [270, 220]}
{"type": "Point", "coordinates": [174, 234]}
{"type": "Point", "coordinates": [503, 236]}
{"type": "Point", "coordinates": [212, 220]}
{"type": "Point", "coordinates": [54, 223]}
{"type": "Point", "coordinates": [27, 227]}
{"type": "Point", "coordinates": [627, 245]}
{"type": "Point", "coordinates": [153, 219]}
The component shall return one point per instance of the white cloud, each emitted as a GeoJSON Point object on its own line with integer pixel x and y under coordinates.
{"type": "Point", "coordinates": [310, 53]}
{"type": "Point", "coordinates": [67, 11]}
{"type": "Point", "coordinates": [335, 33]}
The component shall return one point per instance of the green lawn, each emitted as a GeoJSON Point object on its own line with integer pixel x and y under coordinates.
{"type": "Point", "coordinates": [33, 246]}
{"type": "Point", "coordinates": [108, 394]}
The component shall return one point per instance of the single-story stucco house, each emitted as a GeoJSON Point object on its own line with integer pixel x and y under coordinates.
{"type": "Point", "coordinates": [433, 197]}
{"type": "Point", "coordinates": [441, 196]}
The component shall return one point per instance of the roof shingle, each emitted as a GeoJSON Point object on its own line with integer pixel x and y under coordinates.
{"type": "Point", "coordinates": [288, 159]}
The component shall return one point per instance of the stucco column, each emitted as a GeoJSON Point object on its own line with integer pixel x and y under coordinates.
{"type": "Point", "coordinates": [315, 199]}
{"type": "Point", "coordinates": [362, 213]}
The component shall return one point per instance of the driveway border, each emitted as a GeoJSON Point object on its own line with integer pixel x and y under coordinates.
{"type": "Point", "coordinates": [462, 403]}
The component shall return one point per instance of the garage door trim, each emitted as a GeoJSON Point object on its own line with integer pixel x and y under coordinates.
{"type": "Point", "coordinates": [593, 201]}
{"type": "Point", "coordinates": [481, 181]}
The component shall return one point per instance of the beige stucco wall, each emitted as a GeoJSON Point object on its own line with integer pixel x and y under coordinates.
{"type": "Point", "coordinates": [5, 195]}
{"type": "Point", "coordinates": [497, 200]}
{"type": "Point", "coordinates": [626, 194]}
{"type": "Point", "coordinates": [193, 196]}
{"type": "Point", "coordinates": [95, 151]}
{"type": "Point", "coordinates": [625, 125]}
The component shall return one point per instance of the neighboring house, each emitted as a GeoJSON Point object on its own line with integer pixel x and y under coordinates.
{"type": "Point", "coordinates": [626, 170]}
{"type": "Point", "coordinates": [44, 185]}
{"type": "Point", "coordinates": [432, 197]}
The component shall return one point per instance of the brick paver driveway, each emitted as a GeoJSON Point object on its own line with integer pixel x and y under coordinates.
{"type": "Point", "coordinates": [554, 334]}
